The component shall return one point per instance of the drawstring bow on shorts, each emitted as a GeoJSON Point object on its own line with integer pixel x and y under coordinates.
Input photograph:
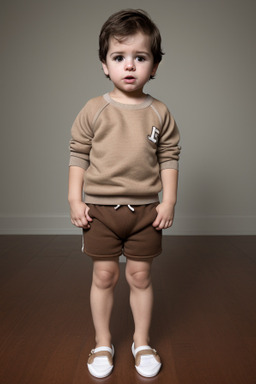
{"type": "Point", "coordinates": [129, 206]}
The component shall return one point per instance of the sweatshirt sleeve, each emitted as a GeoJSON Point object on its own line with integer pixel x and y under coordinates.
{"type": "Point", "coordinates": [81, 139]}
{"type": "Point", "coordinates": [168, 146]}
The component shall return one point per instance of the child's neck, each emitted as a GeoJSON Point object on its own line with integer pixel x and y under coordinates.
{"type": "Point", "coordinates": [128, 98]}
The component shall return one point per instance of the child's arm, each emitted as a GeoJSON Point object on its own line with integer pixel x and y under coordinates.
{"type": "Point", "coordinates": [165, 210]}
{"type": "Point", "coordinates": [79, 211]}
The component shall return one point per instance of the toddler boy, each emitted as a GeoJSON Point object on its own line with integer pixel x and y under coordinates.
{"type": "Point", "coordinates": [124, 150]}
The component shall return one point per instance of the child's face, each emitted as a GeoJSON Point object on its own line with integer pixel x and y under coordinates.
{"type": "Point", "coordinates": [130, 63]}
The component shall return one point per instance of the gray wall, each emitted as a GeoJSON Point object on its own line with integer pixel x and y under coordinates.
{"type": "Point", "coordinates": [50, 69]}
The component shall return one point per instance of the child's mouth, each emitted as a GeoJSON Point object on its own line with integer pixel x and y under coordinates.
{"type": "Point", "coordinates": [129, 79]}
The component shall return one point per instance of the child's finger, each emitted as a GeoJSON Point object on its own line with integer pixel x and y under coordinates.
{"type": "Point", "coordinates": [157, 224]}
{"type": "Point", "coordinates": [88, 217]}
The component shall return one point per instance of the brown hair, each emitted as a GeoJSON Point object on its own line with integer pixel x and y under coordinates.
{"type": "Point", "coordinates": [127, 22]}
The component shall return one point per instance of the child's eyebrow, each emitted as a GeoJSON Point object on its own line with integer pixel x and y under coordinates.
{"type": "Point", "coordinates": [143, 53]}
{"type": "Point", "coordinates": [116, 53]}
{"type": "Point", "coordinates": [136, 53]}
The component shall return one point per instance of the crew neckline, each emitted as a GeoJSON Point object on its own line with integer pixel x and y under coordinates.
{"type": "Point", "coordinates": [146, 103]}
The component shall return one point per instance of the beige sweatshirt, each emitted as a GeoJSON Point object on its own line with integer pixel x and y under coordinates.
{"type": "Point", "coordinates": [123, 148]}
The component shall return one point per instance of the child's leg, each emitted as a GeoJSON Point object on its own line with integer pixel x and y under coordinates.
{"type": "Point", "coordinates": [138, 275]}
{"type": "Point", "coordinates": [105, 277]}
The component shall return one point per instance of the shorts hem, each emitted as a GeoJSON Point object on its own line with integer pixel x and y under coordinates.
{"type": "Point", "coordinates": [104, 257]}
{"type": "Point", "coordinates": [144, 257]}
{"type": "Point", "coordinates": [132, 257]}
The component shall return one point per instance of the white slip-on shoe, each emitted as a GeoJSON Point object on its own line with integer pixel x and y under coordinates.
{"type": "Point", "coordinates": [147, 361]}
{"type": "Point", "coordinates": [100, 361]}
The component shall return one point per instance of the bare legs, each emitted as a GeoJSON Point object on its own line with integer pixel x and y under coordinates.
{"type": "Point", "coordinates": [141, 298]}
{"type": "Point", "coordinates": [105, 277]}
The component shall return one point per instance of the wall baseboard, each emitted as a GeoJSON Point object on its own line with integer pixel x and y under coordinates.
{"type": "Point", "coordinates": [183, 226]}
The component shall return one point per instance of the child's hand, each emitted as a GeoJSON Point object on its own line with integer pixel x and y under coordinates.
{"type": "Point", "coordinates": [79, 213]}
{"type": "Point", "coordinates": [165, 214]}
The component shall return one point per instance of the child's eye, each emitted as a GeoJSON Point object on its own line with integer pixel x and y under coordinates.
{"type": "Point", "coordinates": [140, 58]}
{"type": "Point", "coordinates": [118, 58]}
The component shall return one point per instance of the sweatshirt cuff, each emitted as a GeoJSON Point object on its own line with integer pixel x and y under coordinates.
{"type": "Point", "coordinates": [171, 164]}
{"type": "Point", "coordinates": [78, 162]}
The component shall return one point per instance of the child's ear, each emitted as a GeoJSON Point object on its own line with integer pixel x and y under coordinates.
{"type": "Point", "coordinates": [154, 69]}
{"type": "Point", "coordinates": [105, 68]}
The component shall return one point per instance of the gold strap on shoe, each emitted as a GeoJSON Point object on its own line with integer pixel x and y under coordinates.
{"type": "Point", "coordinates": [146, 352]}
{"type": "Point", "coordinates": [93, 355]}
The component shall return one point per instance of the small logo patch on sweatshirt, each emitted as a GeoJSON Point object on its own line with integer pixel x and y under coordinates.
{"type": "Point", "coordinates": [154, 135]}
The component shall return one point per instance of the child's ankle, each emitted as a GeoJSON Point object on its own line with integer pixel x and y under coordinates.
{"type": "Point", "coordinates": [103, 342]}
{"type": "Point", "coordinates": [140, 341]}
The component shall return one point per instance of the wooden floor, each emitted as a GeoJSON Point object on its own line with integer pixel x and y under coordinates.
{"type": "Point", "coordinates": [204, 323]}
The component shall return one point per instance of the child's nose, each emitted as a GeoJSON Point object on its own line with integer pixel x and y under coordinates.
{"type": "Point", "coordinates": [129, 65]}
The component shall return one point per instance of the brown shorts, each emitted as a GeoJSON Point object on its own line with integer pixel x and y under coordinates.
{"type": "Point", "coordinates": [120, 231]}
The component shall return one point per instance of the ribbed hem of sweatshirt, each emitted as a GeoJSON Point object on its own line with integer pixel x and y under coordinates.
{"type": "Point", "coordinates": [122, 200]}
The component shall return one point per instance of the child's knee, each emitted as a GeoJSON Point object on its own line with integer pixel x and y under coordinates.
{"type": "Point", "coordinates": [139, 279]}
{"type": "Point", "coordinates": [105, 278]}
